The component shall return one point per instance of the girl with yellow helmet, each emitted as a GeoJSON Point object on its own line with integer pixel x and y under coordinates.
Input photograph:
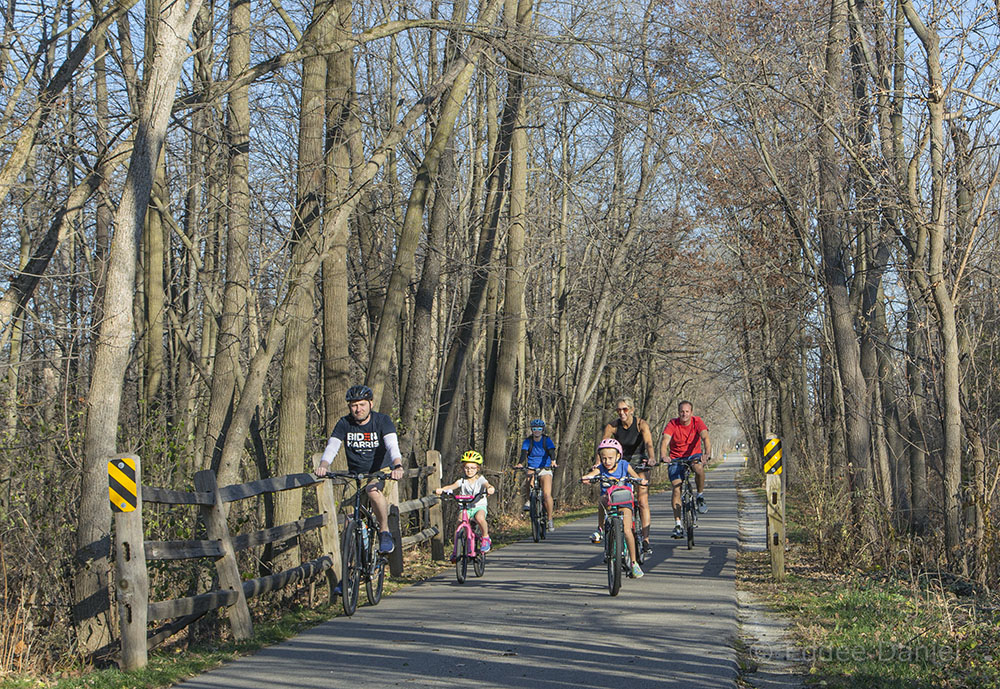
{"type": "Point", "coordinates": [470, 484]}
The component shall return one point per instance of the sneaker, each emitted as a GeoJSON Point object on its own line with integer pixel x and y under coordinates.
{"type": "Point", "coordinates": [385, 542]}
{"type": "Point", "coordinates": [678, 532]}
{"type": "Point", "coordinates": [597, 536]}
{"type": "Point", "coordinates": [527, 506]}
{"type": "Point", "coordinates": [637, 572]}
{"type": "Point", "coordinates": [646, 548]}
{"type": "Point", "coordinates": [485, 545]}
{"type": "Point", "coordinates": [550, 526]}
{"type": "Point", "coordinates": [700, 502]}
{"type": "Point", "coordinates": [338, 590]}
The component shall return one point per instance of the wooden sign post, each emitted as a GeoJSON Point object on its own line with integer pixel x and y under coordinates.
{"type": "Point", "coordinates": [132, 579]}
{"type": "Point", "coordinates": [775, 508]}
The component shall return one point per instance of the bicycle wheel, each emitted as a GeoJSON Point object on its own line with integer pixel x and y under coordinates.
{"type": "Point", "coordinates": [536, 531]}
{"type": "Point", "coordinates": [375, 580]}
{"type": "Point", "coordinates": [615, 537]}
{"type": "Point", "coordinates": [479, 562]}
{"type": "Point", "coordinates": [688, 518]}
{"type": "Point", "coordinates": [640, 554]}
{"type": "Point", "coordinates": [543, 520]}
{"type": "Point", "coordinates": [462, 553]}
{"type": "Point", "coordinates": [350, 567]}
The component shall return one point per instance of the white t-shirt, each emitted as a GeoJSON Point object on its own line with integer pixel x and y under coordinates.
{"type": "Point", "coordinates": [471, 487]}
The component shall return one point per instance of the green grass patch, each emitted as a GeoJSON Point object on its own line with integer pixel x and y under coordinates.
{"type": "Point", "coordinates": [858, 630]}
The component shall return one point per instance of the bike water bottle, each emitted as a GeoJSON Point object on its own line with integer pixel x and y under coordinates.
{"type": "Point", "coordinates": [364, 536]}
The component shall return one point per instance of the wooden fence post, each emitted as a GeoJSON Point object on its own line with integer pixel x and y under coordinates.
{"type": "Point", "coordinates": [217, 529]}
{"type": "Point", "coordinates": [434, 516]}
{"type": "Point", "coordinates": [396, 556]}
{"type": "Point", "coordinates": [132, 579]}
{"type": "Point", "coordinates": [329, 533]}
{"type": "Point", "coordinates": [776, 525]}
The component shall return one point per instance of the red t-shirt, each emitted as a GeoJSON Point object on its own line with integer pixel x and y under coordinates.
{"type": "Point", "coordinates": [685, 440]}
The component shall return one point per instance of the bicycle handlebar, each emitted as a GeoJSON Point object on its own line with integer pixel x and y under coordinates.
{"type": "Point", "coordinates": [467, 498]}
{"type": "Point", "coordinates": [611, 481]}
{"type": "Point", "coordinates": [383, 475]}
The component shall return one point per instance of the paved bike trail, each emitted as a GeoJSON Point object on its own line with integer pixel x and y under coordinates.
{"type": "Point", "coordinates": [540, 618]}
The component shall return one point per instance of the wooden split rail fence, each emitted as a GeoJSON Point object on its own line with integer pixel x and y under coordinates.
{"type": "Point", "coordinates": [133, 551]}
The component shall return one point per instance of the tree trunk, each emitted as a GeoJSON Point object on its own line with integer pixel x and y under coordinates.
{"type": "Point", "coordinates": [834, 247]}
{"type": "Point", "coordinates": [511, 328]}
{"type": "Point", "coordinates": [943, 301]}
{"type": "Point", "coordinates": [111, 353]}
{"type": "Point", "coordinates": [342, 127]}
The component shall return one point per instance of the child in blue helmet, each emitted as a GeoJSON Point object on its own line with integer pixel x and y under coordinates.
{"type": "Point", "coordinates": [538, 455]}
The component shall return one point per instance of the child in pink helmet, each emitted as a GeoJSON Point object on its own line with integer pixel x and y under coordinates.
{"type": "Point", "coordinates": [613, 466]}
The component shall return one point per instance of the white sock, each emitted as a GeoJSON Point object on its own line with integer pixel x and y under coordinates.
{"type": "Point", "coordinates": [700, 494]}
{"type": "Point", "coordinates": [678, 522]}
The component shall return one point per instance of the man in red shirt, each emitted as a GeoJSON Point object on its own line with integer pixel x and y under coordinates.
{"type": "Point", "coordinates": [682, 439]}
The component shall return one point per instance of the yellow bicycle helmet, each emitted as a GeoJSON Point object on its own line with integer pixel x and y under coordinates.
{"type": "Point", "coordinates": [472, 456]}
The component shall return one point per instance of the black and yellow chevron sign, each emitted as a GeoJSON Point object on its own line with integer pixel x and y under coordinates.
{"type": "Point", "coordinates": [121, 484]}
{"type": "Point", "coordinates": [772, 456]}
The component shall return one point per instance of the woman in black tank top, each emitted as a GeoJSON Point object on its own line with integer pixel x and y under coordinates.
{"type": "Point", "coordinates": [637, 442]}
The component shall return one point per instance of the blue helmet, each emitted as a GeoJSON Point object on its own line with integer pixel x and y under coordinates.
{"type": "Point", "coordinates": [537, 423]}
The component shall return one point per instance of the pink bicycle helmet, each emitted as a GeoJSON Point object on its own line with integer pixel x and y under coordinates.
{"type": "Point", "coordinates": [612, 443]}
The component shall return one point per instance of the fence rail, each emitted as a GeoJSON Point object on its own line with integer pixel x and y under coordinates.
{"type": "Point", "coordinates": [133, 552]}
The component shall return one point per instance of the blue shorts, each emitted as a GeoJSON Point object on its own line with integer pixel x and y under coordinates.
{"type": "Point", "coordinates": [676, 470]}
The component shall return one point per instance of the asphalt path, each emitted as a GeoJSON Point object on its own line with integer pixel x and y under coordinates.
{"type": "Point", "coordinates": [540, 617]}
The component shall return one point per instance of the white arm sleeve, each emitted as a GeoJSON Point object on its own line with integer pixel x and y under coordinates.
{"type": "Point", "coordinates": [392, 445]}
{"type": "Point", "coordinates": [332, 448]}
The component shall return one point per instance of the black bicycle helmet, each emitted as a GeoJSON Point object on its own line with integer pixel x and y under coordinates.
{"type": "Point", "coordinates": [359, 392]}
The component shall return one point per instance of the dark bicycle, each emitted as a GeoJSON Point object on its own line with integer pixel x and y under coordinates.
{"type": "Point", "coordinates": [360, 558]}
{"type": "Point", "coordinates": [616, 555]}
{"type": "Point", "coordinates": [689, 508]}
{"type": "Point", "coordinates": [536, 505]}
{"type": "Point", "coordinates": [640, 463]}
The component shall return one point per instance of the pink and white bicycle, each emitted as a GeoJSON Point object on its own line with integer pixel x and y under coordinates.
{"type": "Point", "coordinates": [468, 540]}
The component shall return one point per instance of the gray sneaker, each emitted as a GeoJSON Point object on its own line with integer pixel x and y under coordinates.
{"type": "Point", "coordinates": [550, 526]}
{"type": "Point", "coordinates": [678, 532]}
{"type": "Point", "coordinates": [700, 502]}
{"type": "Point", "coordinates": [385, 542]}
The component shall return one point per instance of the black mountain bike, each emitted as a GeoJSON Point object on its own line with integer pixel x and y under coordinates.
{"type": "Point", "coordinates": [536, 506]}
{"type": "Point", "coordinates": [689, 510]}
{"type": "Point", "coordinates": [360, 558]}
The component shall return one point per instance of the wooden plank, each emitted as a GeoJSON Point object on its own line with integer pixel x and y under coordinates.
{"type": "Point", "coordinates": [417, 538]}
{"type": "Point", "coordinates": [132, 581]}
{"type": "Point", "coordinates": [329, 533]}
{"type": "Point", "coordinates": [270, 485]}
{"type": "Point", "coordinates": [203, 602]}
{"type": "Point", "coordinates": [165, 496]}
{"type": "Point", "coordinates": [418, 472]}
{"type": "Point", "coordinates": [181, 550]}
{"type": "Point", "coordinates": [418, 503]}
{"type": "Point", "coordinates": [255, 587]}
{"type": "Point", "coordinates": [158, 636]}
{"type": "Point", "coordinates": [434, 516]}
{"type": "Point", "coordinates": [278, 533]}
{"type": "Point", "coordinates": [214, 517]}
{"type": "Point", "coordinates": [396, 556]}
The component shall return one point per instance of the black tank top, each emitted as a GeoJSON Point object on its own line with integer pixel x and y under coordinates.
{"type": "Point", "coordinates": [630, 438]}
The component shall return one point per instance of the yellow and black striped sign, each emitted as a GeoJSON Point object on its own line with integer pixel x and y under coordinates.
{"type": "Point", "coordinates": [772, 456]}
{"type": "Point", "coordinates": [121, 484]}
